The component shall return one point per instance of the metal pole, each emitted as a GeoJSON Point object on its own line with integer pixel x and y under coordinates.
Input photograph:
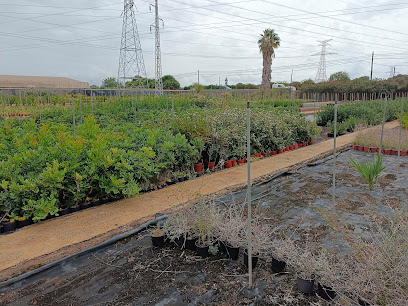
{"type": "Point", "coordinates": [334, 151]}
{"type": "Point", "coordinates": [400, 129]}
{"type": "Point", "coordinates": [80, 105]}
{"type": "Point", "coordinates": [383, 123]}
{"type": "Point", "coordinates": [372, 64]}
{"type": "Point", "coordinates": [172, 107]}
{"type": "Point", "coordinates": [2, 104]}
{"type": "Point", "coordinates": [73, 114]}
{"type": "Point", "coordinates": [314, 106]}
{"type": "Point", "coordinates": [249, 194]}
{"type": "Point", "coordinates": [135, 100]}
{"type": "Point", "coordinates": [39, 108]}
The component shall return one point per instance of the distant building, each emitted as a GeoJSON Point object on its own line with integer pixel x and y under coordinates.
{"type": "Point", "coordinates": [39, 82]}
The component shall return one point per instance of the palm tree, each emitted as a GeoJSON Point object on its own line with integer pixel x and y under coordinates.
{"type": "Point", "coordinates": [267, 44]}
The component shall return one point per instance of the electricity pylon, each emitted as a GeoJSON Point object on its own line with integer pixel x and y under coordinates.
{"type": "Point", "coordinates": [158, 66]}
{"type": "Point", "coordinates": [321, 71]}
{"type": "Point", "coordinates": [131, 62]}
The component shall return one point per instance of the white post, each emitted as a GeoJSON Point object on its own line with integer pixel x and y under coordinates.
{"type": "Point", "coordinates": [249, 194]}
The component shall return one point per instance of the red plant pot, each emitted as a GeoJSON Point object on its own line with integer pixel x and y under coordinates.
{"type": "Point", "coordinates": [211, 165]}
{"type": "Point", "coordinates": [387, 151]}
{"type": "Point", "coordinates": [280, 151]}
{"type": "Point", "coordinates": [366, 149]}
{"type": "Point", "coordinates": [273, 153]}
{"type": "Point", "coordinates": [198, 168]}
{"type": "Point", "coordinates": [263, 154]}
{"type": "Point", "coordinates": [404, 153]}
{"type": "Point", "coordinates": [228, 164]}
{"type": "Point", "coordinates": [394, 152]}
{"type": "Point", "coordinates": [373, 150]}
{"type": "Point", "coordinates": [355, 147]}
{"type": "Point", "coordinates": [292, 147]}
{"type": "Point", "coordinates": [258, 155]}
{"type": "Point", "coordinates": [312, 143]}
{"type": "Point", "coordinates": [241, 161]}
{"type": "Point", "coordinates": [296, 145]}
{"type": "Point", "coordinates": [287, 148]}
{"type": "Point", "coordinates": [360, 148]}
{"type": "Point", "coordinates": [234, 162]}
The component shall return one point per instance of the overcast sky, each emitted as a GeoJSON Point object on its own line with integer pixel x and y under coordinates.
{"type": "Point", "coordinates": [81, 39]}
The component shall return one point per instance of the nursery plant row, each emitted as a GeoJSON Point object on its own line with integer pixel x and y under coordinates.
{"type": "Point", "coordinates": [369, 141]}
{"type": "Point", "coordinates": [367, 113]}
{"type": "Point", "coordinates": [48, 168]}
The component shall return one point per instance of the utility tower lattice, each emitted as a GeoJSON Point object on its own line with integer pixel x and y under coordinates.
{"type": "Point", "coordinates": [158, 66]}
{"type": "Point", "coordinates": [131, 62]}
{"type": "Point", "coordinates": [321, 71]}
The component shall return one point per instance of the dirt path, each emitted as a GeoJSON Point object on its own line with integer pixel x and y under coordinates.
{"type": "Point", "coordinates": [41, 243]}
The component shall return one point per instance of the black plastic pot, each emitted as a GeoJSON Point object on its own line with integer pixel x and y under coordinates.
{"type": "Point", "coordinates": [305, 285]}
{"type": "Point", "coordinates": [222, 249]}
{"type": "Point", "coordinates": [181, 179]}
{"type": "Point", "coordinates": [363, 303]}
{"type": "Point", "coordinates": [1, 228]}
{"type": "Point", "coordinates": [202, 251]}
{"type": "Point", "coordinates": [190, 244]}
{"type": "Point", "coordinates": [254, 260]}
{"type": "Point", "coordinates": [158, 242]}
{"type": "Point", "coordinates": [22, 223]}
{"type": "Point", "coordinates": [63, 212]}
{"type": "Point", "coordinates": [186, 178]}
{"type": "Point", "coordinates": [9, 227]}
{"type": "Point", "coordinates": [74, 209]}
{"type": "Point", "coordinates": [232, 252]}
{"type": "Point", "coordinates": [326, 293]}
{"type": "Point", "coordinates": [104, 201]}
{"type": "Point", "coordinates": [180, 241]}
{"type": "Point", "coordinates": [49, 217]}
{"type": "Point", "coordinates": [85, 206]}
{"type": "Point", "coordinates": [95, 203]}
{"type": "Point", "coordinates": [278, 266]}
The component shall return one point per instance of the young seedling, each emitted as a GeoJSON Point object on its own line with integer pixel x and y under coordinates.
{"type": "Point", "coordinates": [369, 170]}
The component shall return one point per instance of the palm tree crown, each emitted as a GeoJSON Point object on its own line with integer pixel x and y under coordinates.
{"type": "Point", "coordinates": [268, 42]}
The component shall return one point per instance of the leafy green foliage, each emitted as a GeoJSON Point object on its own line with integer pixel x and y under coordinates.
{"type": "Point", "coordinates": [369, 170]}
{"type": "Point", "coordinates": [339, 76]}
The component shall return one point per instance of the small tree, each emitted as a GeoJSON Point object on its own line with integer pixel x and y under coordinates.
{"type": "Point", "coordinates": [110, 83]}
{"type": "Point", "coordinates": [339, 76]}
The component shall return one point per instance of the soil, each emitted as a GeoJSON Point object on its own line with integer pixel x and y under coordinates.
{"type": "Point", "coordinates": [132, 272]}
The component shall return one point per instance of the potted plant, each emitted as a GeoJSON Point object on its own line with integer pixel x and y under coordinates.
{"type": "Point", "coordinates": [327, 275]}
{"type": "Point", "coordinates": [158, 237]}
{"type": "Point", "coordinates": [261, 240]}
{"type": "Point", "coordinates": [204, 225]}
{"type": "Point", "coordinates": [282, 250]}
{"type": "Point", "coordinates": [230, 229]}
{"type": "Point", "coordinates": [9, 222]}
{"type": "Point", "coordinates": [198, 143]}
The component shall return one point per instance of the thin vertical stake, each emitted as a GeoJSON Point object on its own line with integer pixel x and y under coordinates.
{"type": "Point", "coordinates": [249, 194]}
{"type": "Point", "coordinates": [73, 115]}
{"type": "Point", "coordinates": [334, 151]}
{"type": "Point", "coordinates": [383, 123]}
{"type": "Point", "coordinates": [172, 107]}
{"type": "Point", "coordinates": [400, 129]}
{"type": "Point", "coordinates": [80, 105]}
